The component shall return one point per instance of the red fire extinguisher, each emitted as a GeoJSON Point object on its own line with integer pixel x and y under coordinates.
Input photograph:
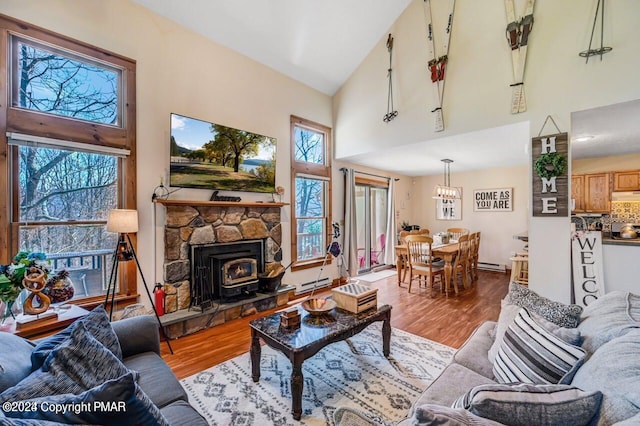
{"type": "Point", "coordinates": [158, 293]}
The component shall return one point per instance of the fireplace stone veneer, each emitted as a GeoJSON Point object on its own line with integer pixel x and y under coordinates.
{"type": "Point", "coordinates": [200, 225]}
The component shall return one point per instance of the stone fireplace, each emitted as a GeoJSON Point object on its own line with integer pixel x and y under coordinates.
{"type": "Point", "coordinates": [191, 225]}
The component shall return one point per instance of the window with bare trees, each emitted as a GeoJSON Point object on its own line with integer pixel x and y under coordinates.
{"type": "Point", "coordinates": [69, 140]}
{"type": "Point", "coordinates": [311, 175]}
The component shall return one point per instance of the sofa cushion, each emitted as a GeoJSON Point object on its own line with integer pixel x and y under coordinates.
{"type": "Point", "coordinates": [114, 402]}
{"type": "Point", "coordinates": [449, 385]}
{"type": "Point", "coordinates": [508, 313]}
{"type": "Point", "coordinates": [156, 378]}
{"type": "Point", "coordinates": [345, 416]}
{"type": "Point", "coordinates": [96, 323]}
{"type": "Point", "coordinates": [180, 413]}
{"type": "Point", "coordinates": [531, 354]}
{"type": "Point", "coordinates": [526, 404]}
{"type": "Point", "coordinates": [612, 315]}
{"type": "Point", "coordinates": [469, 354]}
{"type": "Point", "coordinates": [14, 359]}
{"type": "Point", "coordinates": [556, 312]}
{"type": "Point", "coordinates": [614, 369]}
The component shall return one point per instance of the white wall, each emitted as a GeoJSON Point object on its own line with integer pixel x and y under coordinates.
{"type": "Point", "coordinates": [497, 228]}
{"type": "Point", "coordinates": [182, 72]}
{"type": "Point", "coordinates": [477, 94]}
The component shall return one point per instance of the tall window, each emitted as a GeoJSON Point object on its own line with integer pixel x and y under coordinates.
{"type": "Point", "coordinates": [311, 175]}
{"type": "Point", "coordinates": [69, 141]}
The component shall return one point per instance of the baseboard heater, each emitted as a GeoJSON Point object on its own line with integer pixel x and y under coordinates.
{"type": "Point", "coordinates": [492, 267]}
{"type": "Point", "coordinates": [308, 286]}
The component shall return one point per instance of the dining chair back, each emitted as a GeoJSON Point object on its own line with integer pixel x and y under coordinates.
{"type": "Point", "coordinates": [457, 232]}
{"type": "Point", "coordinates": [421, 262]}
{"type": "Point", "coordinates": [461, 264]}
{"type": "Point", "coordinates": [474, 247]}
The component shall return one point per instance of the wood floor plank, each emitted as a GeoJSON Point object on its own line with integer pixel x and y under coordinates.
{"type": "Point", "coordinates": [448, 320]}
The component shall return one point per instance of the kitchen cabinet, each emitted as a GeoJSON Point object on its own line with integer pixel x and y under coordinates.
{"type": "Point", "coordinates": [597, 193]}
{"type": "Point", "coordinates": [626, 181]}
{"type": "Point", "coordinates": [591, 192]}
{"type": "Point", "coordinates": [577, 193]}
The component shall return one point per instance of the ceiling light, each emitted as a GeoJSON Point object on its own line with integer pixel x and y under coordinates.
{"type": "Point", "coordinates": [446, 191]}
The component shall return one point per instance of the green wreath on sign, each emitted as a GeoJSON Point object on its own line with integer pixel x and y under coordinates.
{"type": "Point", "coordinates": [550, 164]}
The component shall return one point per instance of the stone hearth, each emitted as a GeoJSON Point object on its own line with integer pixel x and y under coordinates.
{"type": "Point", "coordinates": [188, 321]}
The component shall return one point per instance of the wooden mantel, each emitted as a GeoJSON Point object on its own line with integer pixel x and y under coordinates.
{"type": "Point", "coordinates": [219, 203]}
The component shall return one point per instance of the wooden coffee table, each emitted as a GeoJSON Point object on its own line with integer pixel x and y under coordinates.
{"type": "Point", "coordinates": [313, 334]}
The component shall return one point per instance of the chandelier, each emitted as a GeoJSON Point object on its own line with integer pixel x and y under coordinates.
{"type": "Point", "coordinates": [446, 191]}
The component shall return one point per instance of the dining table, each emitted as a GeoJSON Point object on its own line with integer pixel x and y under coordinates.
{"type": "Point", "coordinates": [445, 251]}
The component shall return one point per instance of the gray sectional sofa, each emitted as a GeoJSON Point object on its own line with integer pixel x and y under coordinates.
{"type": "Point", "coordinates": [603, 388]}
{"type": "Point", "coordinates": [73, 367]}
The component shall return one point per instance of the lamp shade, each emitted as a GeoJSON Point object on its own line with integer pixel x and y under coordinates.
{"type": "Point", "coordinates": [123, 221]}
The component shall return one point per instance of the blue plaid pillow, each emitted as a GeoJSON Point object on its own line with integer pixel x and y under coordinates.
{"type": "Point", "coordinates": [96, 323]}
{"type": "Point", "coordinates": [117, 401]}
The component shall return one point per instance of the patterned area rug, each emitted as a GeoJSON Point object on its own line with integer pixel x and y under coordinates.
{"type": "Point", "coordinates": [351, 373]}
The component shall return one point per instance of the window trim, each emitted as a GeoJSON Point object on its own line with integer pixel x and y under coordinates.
{"type": "Point", "coordinates": [304, 169]}
{"type": "Point", "coordinates": [38, 124]}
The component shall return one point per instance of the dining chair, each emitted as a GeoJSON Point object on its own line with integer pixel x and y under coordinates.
{"type": "Point", "coordinates": [420, 261]}
{"type": "Point", "coordinates": [424, 231]}
{"type": "Point", "coordinates": [474, 249]}
{"type": "Point", "coordinates": [457, 232]}
{"type": "Point", "coordinates": [461, 263]}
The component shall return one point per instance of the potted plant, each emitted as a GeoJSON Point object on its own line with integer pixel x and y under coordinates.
{"type": "Point", "coordinates": [446, 236]}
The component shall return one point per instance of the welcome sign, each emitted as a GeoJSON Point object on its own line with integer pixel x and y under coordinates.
{"type": "Point", "coordinates": [493, 200]}
{"type": "Point", "coordinates": [586, 256]}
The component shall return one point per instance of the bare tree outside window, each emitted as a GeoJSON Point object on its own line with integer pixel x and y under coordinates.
{"type": "Point", "coordinates": [311, 208]}
{"type": "Point", "coordinates": [70, 138]}
{"type": "Point", "coordinates": [55, 83]}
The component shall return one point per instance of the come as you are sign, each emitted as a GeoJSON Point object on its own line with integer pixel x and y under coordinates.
{"type": "Point", "coordinates": [493, 200]}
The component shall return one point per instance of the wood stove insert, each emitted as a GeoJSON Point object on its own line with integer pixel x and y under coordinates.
{"type": "Point", "coordinates": [225, 271]}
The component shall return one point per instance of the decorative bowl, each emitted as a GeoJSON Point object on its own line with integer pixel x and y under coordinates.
{"type": "Point", "coordinates": [318, 306]}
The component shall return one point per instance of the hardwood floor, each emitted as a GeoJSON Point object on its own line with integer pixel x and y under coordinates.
{"type": "Point", "coordinates": [446, 320]}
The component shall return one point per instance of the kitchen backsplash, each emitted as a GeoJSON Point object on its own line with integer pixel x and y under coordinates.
{"type": "Point", "coordinates": [621, 211]}
{"type": "Point", "coordinates": [625, 211]}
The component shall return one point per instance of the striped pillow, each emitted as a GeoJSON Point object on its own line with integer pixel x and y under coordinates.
{"type": "Point", "coordinates": [531, 354]}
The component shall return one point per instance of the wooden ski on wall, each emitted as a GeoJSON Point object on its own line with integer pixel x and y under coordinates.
{"type": "Point", "coordinates": [518, 32]}
{"type": "Point", "coordinates": [437, 64]}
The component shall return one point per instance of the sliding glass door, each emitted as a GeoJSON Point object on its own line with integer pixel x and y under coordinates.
{"type": "Point", "coordinates": [371, 220]}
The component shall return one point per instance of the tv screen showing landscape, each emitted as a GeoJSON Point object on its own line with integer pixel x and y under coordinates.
{"type": "Point", "coordinates": [212, 156]}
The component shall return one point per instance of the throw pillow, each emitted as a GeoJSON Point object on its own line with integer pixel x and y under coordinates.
{"type": "Point", "coordinates": [614, 369]}
{"type": "Point", "coordinates": [556, 312]}
{"type": "Point", "coordinates": [97, 324]}
{"type": "Point", "coordinates": [14, 359]}
{"type": "Point", "coordinates": [526, 404]}
{"type": "Point", "coordinates": [531, 354]}
{"type": "Point", "coordinates": [114, 402]}
{"type": "Point", "coordinates": [432, 414]}
{"type": "Point", "coordinates": [508, 313]}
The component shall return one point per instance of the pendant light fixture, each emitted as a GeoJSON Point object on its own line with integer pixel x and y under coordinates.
{"type": "Point", "coordinates": [446, 191]}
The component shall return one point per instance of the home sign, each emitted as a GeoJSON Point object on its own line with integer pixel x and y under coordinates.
{"type": "Point", "coordinates": [549, 175]}
{"type": "Point", "coordinates": [493, 200]}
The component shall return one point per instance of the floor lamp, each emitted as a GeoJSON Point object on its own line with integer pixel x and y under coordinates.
{"type": "Point", "coordinates": [125, 222]}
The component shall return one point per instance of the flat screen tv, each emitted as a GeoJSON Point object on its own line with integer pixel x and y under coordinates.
{"type": "Point", "coordinates": [211, 156]}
